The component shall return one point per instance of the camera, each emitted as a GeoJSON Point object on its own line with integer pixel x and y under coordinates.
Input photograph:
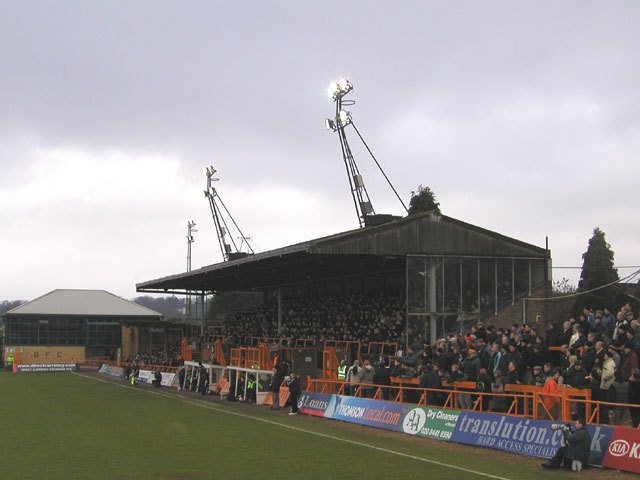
{"type": "Point", "coordinates": [560, 426]}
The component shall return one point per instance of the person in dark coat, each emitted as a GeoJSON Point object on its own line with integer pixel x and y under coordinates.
{"type": "Point", "coordinates": [181, 374]}
{"type": "Point", "coordinates": [578, 447]}
{"type": "Point", "coordinates": [634, 397]}
{"type": "Point", "coordinates": [431, 380]}
{"type": "Point", "coordinates": [276, 381]}
{"type": "Point", "coordinates": [382, 376]}
{"type": "Point", "coordinates": [294, 390]}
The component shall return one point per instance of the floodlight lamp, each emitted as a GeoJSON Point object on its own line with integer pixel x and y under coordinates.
{"type": "Point", "coordinates": [340, 88]}
{"type": "Point", "coordinates": [345, 85]}
{"type": "Point", "coordinates": [330, 124]}
{"type": "Point", "coordinates": [333, 90]}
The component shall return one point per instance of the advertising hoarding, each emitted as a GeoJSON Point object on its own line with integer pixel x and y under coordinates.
{"type": "Point", "coordinates": [435, 423]}
{"type": "Point", "coordinates": [45, 367]}
{"type": "Point", "coordinates": [623, 451]}
{"type": "Point", "coordinates": [522, 435]}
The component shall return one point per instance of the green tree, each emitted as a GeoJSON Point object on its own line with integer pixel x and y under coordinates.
{"type": "Point", "coordinates": [423, 200]}
{"type": "Point", "coordinates": [597, 271]}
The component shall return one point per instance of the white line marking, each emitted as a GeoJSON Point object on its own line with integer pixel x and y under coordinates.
{"type": "Point", "coordinates": [212, 406]}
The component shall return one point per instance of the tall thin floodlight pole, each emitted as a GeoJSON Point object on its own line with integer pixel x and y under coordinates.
{"type": "Point", "coordinates": [361, 200]}
{"type": "Point", "coordinates": [190, 231]}
{"type": "Point", "coordinates": [224, 221]}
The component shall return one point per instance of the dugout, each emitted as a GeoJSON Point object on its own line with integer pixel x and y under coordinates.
{"type": "Point", "coordinates": [70, 326]}
{"type": "Point", "coordinates": [450, 271]}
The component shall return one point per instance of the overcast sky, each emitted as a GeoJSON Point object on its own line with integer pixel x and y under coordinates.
{"type": "Point", "coordinates": [523, 117]}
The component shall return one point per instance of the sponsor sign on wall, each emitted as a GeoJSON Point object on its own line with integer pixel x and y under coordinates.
{"type": "Point", "coordinates": [522, 435]}
{"type": "Point", "coordinates": [430, 422]}
{"type": "Point", "coordinates": [315, 404]}
{"type": "Point", "coordinates": [111, 371]}
{"type": "Point", "coordinates": [45, 367]}
{"type": "Point", "coordinates": [167, 379]}
{"type": "Point", "coordinates": [40, 354]}
{"type": "Point", "coordinates": [374, 413]}
{"type": "Point", "coordinates": [623, 451]}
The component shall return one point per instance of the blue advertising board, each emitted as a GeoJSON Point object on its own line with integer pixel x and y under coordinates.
{"type": "Point", "coordinates": [522, 435]}
{"type": "Point", "coordinates": [374, 413]}
{"type": "Point", "coordinates": [312, 403]}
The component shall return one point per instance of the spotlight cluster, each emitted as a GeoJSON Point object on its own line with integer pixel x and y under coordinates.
{"type": "Point", "coordinates": [339, 89]}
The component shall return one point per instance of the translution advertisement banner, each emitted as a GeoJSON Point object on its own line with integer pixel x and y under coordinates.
{"type": "Point", "coordinates": [623, 451]}
{"type": "Point", "coordinates": [522, 435]}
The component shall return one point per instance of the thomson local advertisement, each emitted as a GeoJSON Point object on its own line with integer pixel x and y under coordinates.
{"type": "Point", "coordinates": [373, 413]}
{"type": "Point", "coordinates": [522, 435]}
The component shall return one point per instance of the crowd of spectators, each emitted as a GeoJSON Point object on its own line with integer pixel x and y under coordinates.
{"type": "Point", "coordinates": [169, 356]}
{"type": "Point", "coordinates": [352, 317]}
{"type": "Point", "coordinates": [597, 350]}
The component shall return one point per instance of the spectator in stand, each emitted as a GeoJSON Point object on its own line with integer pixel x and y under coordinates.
{"type": "Point", "coordinates": [629, 362]}
{"type": "Point", "coordinates": [620, 322]}
{"type": "Point", "coordinates": [550, 401]}
{"type": "Point", "coordinates": [606, 382]}
{"type": "Point", "coordinates": [353, 377]}
{"type": "Point", "coordinates": [634, 397]}
{"type": "Point", "coordinates": [607, 319]}
{"type": "Point", "coordinates": [598, 328]}
{"type": "Point", "coordinates": [496, 357]}
{"type": "Point", "coordinates": [382, 377]}
{"type": "Point", "coordinates": [484, 386]}
{"type": "Point", "coordinates": [634, 338]}
{"type": "Point", "coordinates": [513, 376]}
{"type": "Point", "coordinates": [471, 366]}
{"type": "Point", "coordinates": [367, 379]}
{"type": "Point", "coordinates": [498, 402]}
{"type": "Point", "coordinates": [538, 378]}
{"type": "Point", "coordinates": [431, 381]}
{"type": "Point", "coordinates": [565, 336]}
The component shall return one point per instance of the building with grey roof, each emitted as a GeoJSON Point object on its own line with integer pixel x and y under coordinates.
{"type": "Point", "coordinates": [89, 323]}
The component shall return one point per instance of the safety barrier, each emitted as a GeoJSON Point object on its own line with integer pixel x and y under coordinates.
{"type": "Point", "coordinates": [519, 400]}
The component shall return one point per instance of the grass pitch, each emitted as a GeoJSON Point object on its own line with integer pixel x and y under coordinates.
{"type": "Point", "coordinates": [68, 426]}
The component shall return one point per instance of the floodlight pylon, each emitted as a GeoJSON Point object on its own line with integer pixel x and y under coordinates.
{"type": "Point", "coordinates": [343, 118]}
{"type": "Point", "coordinates": [222, 218]}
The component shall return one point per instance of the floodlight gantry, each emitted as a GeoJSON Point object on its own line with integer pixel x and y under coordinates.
{"type": "Point", "coordinates": [221, 218]}
{"type": "Point", "coordinates": [361, 200]}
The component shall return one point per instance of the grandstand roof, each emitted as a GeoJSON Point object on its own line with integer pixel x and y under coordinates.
{"type": "Point", "coordinates": [84, 303]}
{"type": "Point", "coordinates": [372, 249]}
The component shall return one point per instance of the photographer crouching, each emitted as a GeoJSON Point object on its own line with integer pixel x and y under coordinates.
{"type": "Point", "coordinates": [575, 453]}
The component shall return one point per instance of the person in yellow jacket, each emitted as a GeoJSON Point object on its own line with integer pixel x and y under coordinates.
{"type": "Point", "coordinates": [9, 359]}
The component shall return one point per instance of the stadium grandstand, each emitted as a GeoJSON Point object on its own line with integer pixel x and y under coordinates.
{"type": "Point", "coordinates": [444, 271]}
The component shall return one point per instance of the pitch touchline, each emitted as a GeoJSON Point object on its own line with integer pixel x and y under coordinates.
{"type": "Point", "coordinates": [298, 429]}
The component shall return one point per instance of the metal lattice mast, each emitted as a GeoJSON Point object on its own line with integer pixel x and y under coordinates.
{"type": "Point", "coordinates": [342, 119]}
{"type": "Point", "coordinates": [221, 218]}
